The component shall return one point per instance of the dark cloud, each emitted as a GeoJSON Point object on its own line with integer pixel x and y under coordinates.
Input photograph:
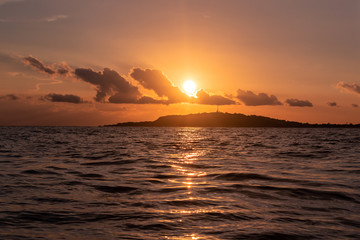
{"type": "Point", "coordinates": [298, 103]}
{"type": "Point", "coordinates": [355, 105]}
{"type": "Point", "coordinates": [332, 104]}
{"type": "Point", "coordinates": [9, 97]}
{"type": "Point", "coordinates": [67, 98]}
{"type": "Point", "coordinates": [61, 69]}
{"type": "Point", "coordinates": [37, 64]}
{"type": "Point", "coordinates": [204, 98]}
{"type": "Point", "coordinates": [155, 80]}
{"type": "Point", "coordinates": [110, 86]}
{"type": "Point", "coordinates": [251, 99]}
{"type": "Point", "coordinates": [354, 88]}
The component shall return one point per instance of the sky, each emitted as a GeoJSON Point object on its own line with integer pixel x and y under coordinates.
{"type": "Point", "coordinates": [92, 62]}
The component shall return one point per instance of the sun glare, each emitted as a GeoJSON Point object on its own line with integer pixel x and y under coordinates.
{"type": "Point", "coordinates": [189, 87]}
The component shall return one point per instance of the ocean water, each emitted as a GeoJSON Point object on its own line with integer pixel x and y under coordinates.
{"type": "Point", "coordinates": [179, 183]}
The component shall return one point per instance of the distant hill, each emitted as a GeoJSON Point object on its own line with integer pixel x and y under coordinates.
{"type": "Point", "coordinates": [218, 119]}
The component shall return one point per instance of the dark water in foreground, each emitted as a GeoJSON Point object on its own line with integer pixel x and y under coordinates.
{"type": "Point", "coordinates": [179, 183]}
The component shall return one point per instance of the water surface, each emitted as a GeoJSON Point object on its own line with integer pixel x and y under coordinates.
{"type": "Point", "coordinates": [179, 183]}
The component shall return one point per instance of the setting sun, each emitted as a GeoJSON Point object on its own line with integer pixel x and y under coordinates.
{"type": "Point", "coordinates": [189, 87]}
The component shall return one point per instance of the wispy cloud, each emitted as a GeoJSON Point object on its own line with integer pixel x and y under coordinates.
{"type": "Point", "coordinates": [56, 18]}
{"type": "Point", "coordinates": [49, 19]}
{"type": "Point", "coordinates": [350, 87]}
{"type": "Point", "coordinates": [54, 69]}
{"type": "Point", "coordinates": [2, 2]}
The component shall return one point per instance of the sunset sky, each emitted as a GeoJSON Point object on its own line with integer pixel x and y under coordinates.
{"type": "Point", "coordinates": [92, 62]}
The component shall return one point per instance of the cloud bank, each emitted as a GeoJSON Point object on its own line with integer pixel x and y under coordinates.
{"type": "Point", "coordinates": [111, 87]}
{"type": "Point", "coordinates": [298, 103]}
{"type": "Point", "coordinates": [251, 99]}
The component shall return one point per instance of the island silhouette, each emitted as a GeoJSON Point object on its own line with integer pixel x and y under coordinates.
{"type": "Point", "coordinates": [219, 119]}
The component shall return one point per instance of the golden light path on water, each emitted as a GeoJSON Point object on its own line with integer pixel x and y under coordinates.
{"type": "Point", "coordinates": [184, 163]}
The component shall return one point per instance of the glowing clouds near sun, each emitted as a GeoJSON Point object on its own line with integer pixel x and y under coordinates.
{"type": "Point", "coordinates": [111, 87]}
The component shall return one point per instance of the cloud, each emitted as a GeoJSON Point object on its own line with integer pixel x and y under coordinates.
{"type": "Point", "coordinates": [9, 97]}
{"type": "Point", "coordinates": [2, 2]}
{"type": "Point", "coordinates": [150, 100]}
{"type": "Point", "coordinates": [110, 86]}
{"type": "Point", "coordinates": [353, 88]}
{"type": "Point", "coordinates": [204, 98]}
{"type": "Point", "coordinates": [332, 104]}
{"type": "Point", "coordinates": [355, 105]}
{"type": "Point", "coordinates": [155, 80]}
{"type": "Point", "coordinates": [20, 19]}
{"type": "Point", "coordinates": [56, 17]}
{"type": "Point", "coordinates": [113, 88]}
{"type": "Point", "coordinates": [37, 64]}
{"type": "Point", "coordinates": [60, 69]}
{"type": "Point", "coordinates": [298, 103]}
{"type": "Point", "coordinates": [251, 99]}
{"type": "Point", "coordinates": [67, 98]}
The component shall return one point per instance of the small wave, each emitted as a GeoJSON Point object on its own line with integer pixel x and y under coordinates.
{"type": "Point", "coordinates": [349, 222]}
{"type": "Point", "coordinates": [91, 175]}
{"type": "Point", "coordinates": [253, 176]}
{"type": "Point", "coordinates": [65, 217]}
{"type": "Point", "coordinates": [52, 200]}
{"type": "Point", "coordinates": [72, 183]}
{"type": "Point", "coordinates": [11, 155]}
{"type": "Point", "coordinates": [189, 203]}
{"type": "Point", "coordinates": [172, 189]}
{"type": "Point", "coordinates": [297, 155]}
{"type": "Point", "coordinates": [56, 168]}
{"type": "Point", "coordinates": [271, 235]}
{"type": "Point", "coordinates": [143, 205]}
{"type": "Point", "coordinates": [241, 176]}
{"type": "Point", "coordinates": [197, 166]}
{"type": "Point", "coordinates": [302, 193]}
{"type": "Point", "coordinates": [105, 163]}
{"type": "Point", "coordinates": [40, 172]}
{"type": "Point", "coordinates": [162, 166]}
{"type": "Point", "coordinates": [260, 145]}
{"type": "Point", "coordinates": [218, 216]}
{"type": "Point", "coordinates": [167, 176]}
{"type": "Point", "coordinates": [115, 189]}
{"type": "Point", "coordinates": [151, 227]}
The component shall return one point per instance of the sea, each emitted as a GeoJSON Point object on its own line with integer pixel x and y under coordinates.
{"type": "Point", "coordinates": [179, 183]}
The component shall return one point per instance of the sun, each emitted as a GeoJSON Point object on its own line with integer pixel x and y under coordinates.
{"type": "Point", "coordinates": [189, 87]}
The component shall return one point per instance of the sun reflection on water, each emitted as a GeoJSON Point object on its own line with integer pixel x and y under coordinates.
{"type": "Point", "coordinates": [186, 162]}
{"type": "Point", "coordinates": [186, 237]}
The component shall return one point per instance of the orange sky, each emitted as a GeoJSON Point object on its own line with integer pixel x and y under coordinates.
{"type": "Point", "coordinates": [293, 60]}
